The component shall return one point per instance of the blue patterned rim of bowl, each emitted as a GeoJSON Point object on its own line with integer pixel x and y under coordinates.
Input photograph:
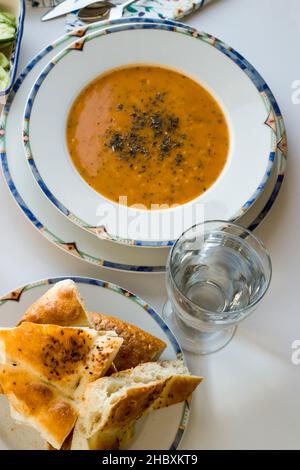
{"type": "Point", "coordinates": [70, 246]}
{"type": "Point", "coordinates": [15, 296]}
{"type": "Point", "coordinates": [247, 68]}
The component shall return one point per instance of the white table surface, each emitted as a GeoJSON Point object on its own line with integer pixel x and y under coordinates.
{"type": "Point", "coordinates": [250, 397]}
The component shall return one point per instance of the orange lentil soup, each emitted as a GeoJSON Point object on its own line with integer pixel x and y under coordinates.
{"type": "Point", "coordinates": [148, 133]}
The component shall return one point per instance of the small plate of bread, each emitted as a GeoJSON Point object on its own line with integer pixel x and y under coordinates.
{"type": "Point", "coordinates": [87, 365]}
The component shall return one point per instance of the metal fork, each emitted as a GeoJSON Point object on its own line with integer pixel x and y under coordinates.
{"type": "Point", "coordinates": [101, 10]}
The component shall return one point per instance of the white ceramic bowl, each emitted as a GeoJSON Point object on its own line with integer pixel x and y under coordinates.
{"type": "Point", "coordinates": [235, 84]}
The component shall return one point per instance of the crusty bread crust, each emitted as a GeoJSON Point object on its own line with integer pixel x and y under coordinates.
{"type": "Point", "coordinates": [113, 440]}
{"type": "Point", "coordinates": [60, 305]}
{"type": "Point", "coordinates": [44, 371]}
{"type": "Point", "coordinates": [132, 406]}
{"type": "Point", "coordinates": [113, 404]}
{"type": "Point", "coordinates": [66, 444]}
{"type": "Point", "coordinates": [35, 403]}
{"type": "Point", "coordinates": [138, 400]}
{"type": "Point", "coordinates": [68, 358]}
{"type": "Point", "coordinates": [175, 390]}
{"type": "Point", "coordinates": [138, 346]}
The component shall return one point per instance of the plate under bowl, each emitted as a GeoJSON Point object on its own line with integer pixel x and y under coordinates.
{"type": "Point", "coordinates": [58, 229]}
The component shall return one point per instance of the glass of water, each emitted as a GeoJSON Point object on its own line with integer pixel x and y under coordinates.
{"type": "Point", "coordinates": [217, 274]}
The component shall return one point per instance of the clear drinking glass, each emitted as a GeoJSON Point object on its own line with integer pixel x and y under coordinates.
{"type": "Point", "coordinates": [217, 273]}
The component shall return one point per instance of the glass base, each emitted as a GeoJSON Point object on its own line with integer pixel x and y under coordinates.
{"type": "Point", "coordinates": [193, 340]}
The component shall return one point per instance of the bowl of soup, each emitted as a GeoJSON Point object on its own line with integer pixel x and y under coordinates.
{"type": "Point", "coordinates": [138, 131]}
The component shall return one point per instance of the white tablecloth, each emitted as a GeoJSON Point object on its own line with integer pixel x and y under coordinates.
{"type": "Point", "coordinates": [250, 397]}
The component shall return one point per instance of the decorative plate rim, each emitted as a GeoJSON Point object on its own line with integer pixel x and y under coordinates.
{"type": "Point", "coordinates": [52, 237]}
{"type": "Point", "coordinates": [15, 296]}
{"type": "Point", "coordinates": [261, 86]}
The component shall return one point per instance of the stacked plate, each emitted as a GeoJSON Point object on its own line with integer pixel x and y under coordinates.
{"type": "Point", "coordinates": [99, 296]}
{"type": "Point", "coordinates": [31, 146]}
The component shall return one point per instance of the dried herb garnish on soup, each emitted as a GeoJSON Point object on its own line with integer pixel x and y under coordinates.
{"type": "Point", "coordinates": [149, 133]}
